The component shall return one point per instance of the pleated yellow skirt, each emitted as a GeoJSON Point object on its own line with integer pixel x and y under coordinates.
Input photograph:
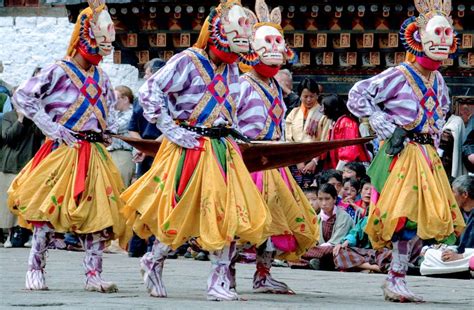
{"type": "Point", "coordinates": [216, 202]}
{"type": "Point", "coordinates": [46, 192]}
{"type": "Point", "coordinates": [293, 218]}
{"type": "Point", "coordinates": [418, 189]}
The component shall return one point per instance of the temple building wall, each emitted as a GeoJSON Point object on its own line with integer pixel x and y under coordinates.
{"type": "Point", "coordinates": [28, 42]}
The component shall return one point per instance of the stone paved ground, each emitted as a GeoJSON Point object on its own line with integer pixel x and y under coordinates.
{"type": "Point", "coordinates": [186, 281]}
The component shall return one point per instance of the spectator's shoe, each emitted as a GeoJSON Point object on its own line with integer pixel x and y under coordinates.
{"type": "Point", "coordinates": [263, 281]}
{"type": "Point", "coordinates": [202, 256]}
{"type": "Point", "coordinates": [172, 255]}
{"type": "Point", "coordinates": [219, 281]}
{"type": "Point", "coordinates": [29, 242]}
{"type": "Point", "coordinates": [94, 245]}
{"type": "Point", "coordinates": [151, 265]}
{"type": "Point", "coordinates": [37, 261]}
{"type": "Point", "coordinates": [188, 255]}
{"type": "Point", "coordinates": [315, 264]}
{"type": "Point", "coordinates": [8, 243]}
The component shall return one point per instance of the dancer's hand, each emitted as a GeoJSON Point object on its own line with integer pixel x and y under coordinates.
{"type": "Point", "coordinates": [65, 135]}
{"type": "Point", "coordinates": [397, 142]}
{"type": "Point", "coordinates": [182, 137]}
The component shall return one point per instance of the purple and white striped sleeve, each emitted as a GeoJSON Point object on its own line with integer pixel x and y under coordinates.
{"type": "Point", "coordinates": [170, 79]}
{"type": "Point", "coordinates": [250, 110]}
{"type": "Point", "coordinates": [365, 97]}
{"type": "Point", "coordinates": [28, 98]}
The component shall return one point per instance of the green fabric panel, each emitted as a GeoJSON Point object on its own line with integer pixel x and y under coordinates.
{"type": "Point", "coordinates": [179, 170]}
{"type": "Point", "coordinates": [378, 170]}
{"type": "Point", "coordinates": [220, 149]}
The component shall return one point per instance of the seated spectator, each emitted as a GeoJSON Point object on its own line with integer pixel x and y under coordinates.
{"type": "Point", "coordinates": [121, 151]}
{"type": "Point", "coordinates": [350, 191]}
{"type": "Point", "coordinates": [333, 177]}
{"type": "Point", "coordinates": [311, 194]}
{"type": "Point", "coordinates": [345, 127]}
{"type": "Point", "coordinates": [355, 253]}
{"type": "Point", "coordinates": [334, 224]}
{"type": "Point", "coordinates": [301, 126]}
{"type": "Point", "coordinates": [354, 170]}
{"type": "Point", "coordinates": [365, 193]}
{"type": "Point", "coordinates": [443, 260]}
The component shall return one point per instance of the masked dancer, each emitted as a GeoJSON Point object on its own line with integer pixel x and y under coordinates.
{"type": "Point", "coordinates": [406, 106]}
{"type": "Point", "coordinates": [260, 114]}
{"type": "Point", "coordinates": [72, 185]}
{"type": "Point", "coordinates": [198, 185]}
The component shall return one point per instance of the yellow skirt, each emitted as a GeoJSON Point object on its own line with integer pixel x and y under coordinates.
{"type": "Point", "coordinates": [218, 204]}
{"type": "Point", "coordinates": [418, 189]}
{"type": "Point", "coordinates": [293, 218]}
{"type": "Point", "coordinates": [44, 191]}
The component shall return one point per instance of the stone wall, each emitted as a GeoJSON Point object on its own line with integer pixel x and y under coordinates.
{"type": "Point", "coordinates": [28, 42]}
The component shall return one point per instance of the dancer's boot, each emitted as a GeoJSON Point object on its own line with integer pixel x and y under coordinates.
{"type": "Point", "coordinates": [35, 280]}
{"type": "Point", "coordinates": [151, 265]}
{"type": "Point", "coordinates": [94, 245]}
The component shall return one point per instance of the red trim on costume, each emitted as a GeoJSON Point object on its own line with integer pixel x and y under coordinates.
{"type": "Point", "coordinates": [401, 224]}
{"type": "Point", "coordinates": [428, 63]}
{"type": "Point", "coordinates": [228, 58]}
{"type": "Point", "coordinates": [93, 59]}
{"type": "Point", "coordinates": [190, 162]}
{"type": "Point", "coordinates": [44, 151]}
{"type": "Point", "coordinates": [392, 164]}
{"type": "Point", "coordinates": [266, 70]}
{"type": "Point", "coordinates": [83, 159]}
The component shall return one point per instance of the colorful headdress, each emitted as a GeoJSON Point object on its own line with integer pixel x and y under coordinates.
{"type": "Point", "coordinates": [271, 19]}
{"type": "Point", "coordinates": [412, 28]}
{"type": "Point", "coordinates": [222, 29]}
{"type": "Point", "coordinates": [93, 22]}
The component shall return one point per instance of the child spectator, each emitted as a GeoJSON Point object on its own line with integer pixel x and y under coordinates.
{"type": "Point", "coordinates": [311, 194]}
{"type": "Point", "coordinates": [333, 177]}
{"type": "Point", "coordinates": [354, 170]}
{"type": "Point", "coordinates": [350, 190]}
{"type": "Point", "coordinates": [334, 224]}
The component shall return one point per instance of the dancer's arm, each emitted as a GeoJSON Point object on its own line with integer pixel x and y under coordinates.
{"type": "Point", "coordinates": [366, 99]}
{"type": "Point", "coordinates": [174, 77]}
{"type": "Point", "coordinates": [28, 100]}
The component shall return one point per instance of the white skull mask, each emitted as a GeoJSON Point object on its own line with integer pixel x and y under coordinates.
{"type": "Point", "coordinates": [269, 44]}
{"type": "Point", "coordinates": [103, 32]}
{"type": "Point", "coordinates": [237, 28]}
{"type": "Point", "coordinates": [437, 38]}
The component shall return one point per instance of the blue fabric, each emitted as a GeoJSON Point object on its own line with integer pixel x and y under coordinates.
{"type": "Point", "coordinates": [467, 237]}
{"type": "Point", "coordinates": [139, 124]}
